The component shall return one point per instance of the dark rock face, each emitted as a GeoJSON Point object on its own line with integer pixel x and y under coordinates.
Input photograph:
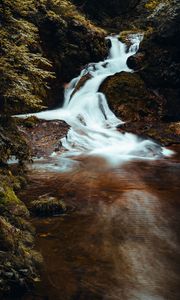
{"type": "Point", "coordinates": [157, 64]}
{"type": "Point", "coordinates": [169, 24]}
{"type": "Point", "coordinates": [130, 99]}
{"type": "Point", "coordinates": [159, 58]}
{"type": "Point", "coordinates": [135, 62]}
{"type": "Point", "coordinates": [142, 108]}
{"type": "Point", "coordinates": [99, 9]}
{"type": "Point", "coordinates": [69, 42]}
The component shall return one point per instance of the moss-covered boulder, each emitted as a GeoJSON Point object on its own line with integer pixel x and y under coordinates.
{"type": "Point", "coordinates": [141, 108]}
{"type": "Point", "coordinates": [48, 206]}
{"type": "Point", "coordinates": [129, 98]}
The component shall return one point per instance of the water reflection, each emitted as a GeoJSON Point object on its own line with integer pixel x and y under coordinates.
{"type": "Point", "coordinates": [122, 240]}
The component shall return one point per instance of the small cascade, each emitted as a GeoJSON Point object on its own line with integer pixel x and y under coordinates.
{"type": "Point", "coordinates": [93, 125]}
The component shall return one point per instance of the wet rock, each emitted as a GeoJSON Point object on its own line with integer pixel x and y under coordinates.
{"type": "Point", "coordinates": [130, 99]}
{"type": "Point", "coordinates": [43, 137]}
{"type": "Point", "coordinates": [81, 82]}
{"type": "Point", "coordinates": [164, 133]}
{"type": "Point", "coordinates": [158, 59]}
{"type": "Point", "coordinates": [127, 36]}
{"type": "Point", "coordinates": [136, 61]}
{"type": "Point", "coordinates": [48, 206]}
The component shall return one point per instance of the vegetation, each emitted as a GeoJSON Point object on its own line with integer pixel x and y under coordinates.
{"type": "Point", "coordinates": [23, 69]}
{"type": "Point", "coordinates": [39, 50]}
{"type": "Point", "coordinates": [26, 73]}
{"type": "Point", "coordinates": [18, 260]}
{"type": "Point", "coordinates": [152, 4]}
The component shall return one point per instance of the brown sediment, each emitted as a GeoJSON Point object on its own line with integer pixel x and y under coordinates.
{"type": "Point", "coordinates": [121, 239]}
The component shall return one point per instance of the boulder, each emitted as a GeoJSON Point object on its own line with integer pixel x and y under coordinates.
{"type": "Point", "coordinates": [142, 109]}
{"type": "Point", "coordinates": [48, 206]}
{"type": "Point", "coordinates": [130, 99]}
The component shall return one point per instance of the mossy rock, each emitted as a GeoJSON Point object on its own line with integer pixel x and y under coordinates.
{"type": "Point", "coordinates": [153, 4]}
{"type": "Point", "coordinates": [129, 98]}
{"type": "Point", "coordinates": [126, 37]}
{"type": "Point", "coordinates": [7, 195]}
{"type": "Point", "coordinates": [9, 235]}
{"type": "Point", "coordinates": [164, 133]}
{"type": "Point", "coordinates": [19, 262]}
{"type": "Point", "coordinates": [48, 206]}
{"type": "Point", "coordinates": [12, 143]}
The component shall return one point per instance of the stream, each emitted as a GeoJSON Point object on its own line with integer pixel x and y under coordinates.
{"type": "Point", "coordinates": [120, 237]}
{"type": "Point", "coordinates": [93, 126]}
{"type": "Point", "coordinates": [120, 240]}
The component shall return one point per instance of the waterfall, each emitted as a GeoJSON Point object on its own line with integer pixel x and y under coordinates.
{"type": "Point", "coordinates": [93, 125]}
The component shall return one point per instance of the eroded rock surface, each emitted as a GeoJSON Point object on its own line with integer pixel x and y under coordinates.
{"type": "Point", "coordinates": [43, 137]}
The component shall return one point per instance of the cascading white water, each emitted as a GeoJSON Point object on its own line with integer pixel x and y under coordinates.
{"type": "Point", "coordinates": [93, 125]}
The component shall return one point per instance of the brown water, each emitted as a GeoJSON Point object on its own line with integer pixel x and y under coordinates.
{"type": "Point", "coordinates": [121, 239]}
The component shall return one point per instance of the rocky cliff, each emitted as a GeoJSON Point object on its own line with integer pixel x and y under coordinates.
{"type": "Point", "coordinates": [156, 66]}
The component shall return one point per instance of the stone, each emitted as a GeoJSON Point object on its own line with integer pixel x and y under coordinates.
{"type": "Point", "coordinates": [130, 99]}
{"type": "Point", "coordinates": [48, 206]}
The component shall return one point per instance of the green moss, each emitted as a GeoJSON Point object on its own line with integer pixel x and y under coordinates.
{"type": "Point", "coordinates": [16, 240]}
{"type": "Point", "coordinates": [29, 122]}
{"type": "Point", "coordinates": [6, 235]}
{"type": "Point", "coordinates": [129, 98]}
{"type": "Point", "coordinates": [24, 71]}
{"type": "Point", "coordinates": [153, 4]}
{"type": "Point", "coordinates": [26, 74]}
{"type": "Point", "coordinates": [12, 144]}
{"type": "Point", "coordinates": [7, 195]}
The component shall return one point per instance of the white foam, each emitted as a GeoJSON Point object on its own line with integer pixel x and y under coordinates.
{"type": "Point", "coordinates": [93, 125]}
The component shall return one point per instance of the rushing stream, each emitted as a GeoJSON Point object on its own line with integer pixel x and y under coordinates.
{"type": "Point", "coordinates": [93, 125]}
{"type": "Point", "coordinates": [120, 237]}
